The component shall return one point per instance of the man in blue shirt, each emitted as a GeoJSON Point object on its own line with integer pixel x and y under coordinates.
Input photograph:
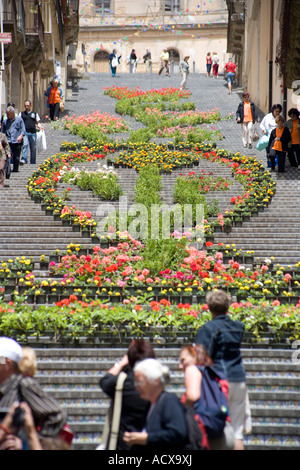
{"type": "Point", "coordinates": [222, 339]}
{"type": "Point", "coordinates": [14, 129]}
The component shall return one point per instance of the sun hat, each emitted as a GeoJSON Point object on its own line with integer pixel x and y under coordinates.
{"type": "Point", "coordinates": [10, 349]}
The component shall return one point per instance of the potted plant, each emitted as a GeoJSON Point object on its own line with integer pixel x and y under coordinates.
{"type": "Point", "coordinates": [44, 262]}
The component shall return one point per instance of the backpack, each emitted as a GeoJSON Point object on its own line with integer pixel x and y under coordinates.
{"type": "Point", "coordinates": [197, 437]}
{"type": "Point", "coordinates": [212, 406]}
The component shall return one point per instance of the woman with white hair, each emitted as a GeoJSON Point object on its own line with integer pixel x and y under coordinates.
{"type": "Point", "coordinates": [166, 424]}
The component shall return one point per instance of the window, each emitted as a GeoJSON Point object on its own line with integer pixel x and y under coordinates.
{"type": "Point", "coordinates": [102, 7]}
{"type": "Point", "coordinates": [172, 6]}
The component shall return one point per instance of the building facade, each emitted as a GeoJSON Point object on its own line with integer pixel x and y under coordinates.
{"type": "Point", "coordinates": [181, 26]}
{"type": "Point", "coordinates": [264, 36]}
{"type": "Point", "coordinates": [41, 33]}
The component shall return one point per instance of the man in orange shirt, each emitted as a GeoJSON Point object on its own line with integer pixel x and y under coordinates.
{"type": "Point", "coordinates": [247, 116]}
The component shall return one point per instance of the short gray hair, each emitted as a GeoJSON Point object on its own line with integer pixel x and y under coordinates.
{"type": "Point", "coordinates": [153, 370]}
{"type": "Point", "coordinates": [10, 109]}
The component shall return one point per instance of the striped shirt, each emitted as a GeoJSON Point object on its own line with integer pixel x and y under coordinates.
{"type": "Point", "coordinates": [48, 415]}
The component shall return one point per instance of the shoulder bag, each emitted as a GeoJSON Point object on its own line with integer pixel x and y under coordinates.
{"type": "Point", "coordinates": [109, 437]}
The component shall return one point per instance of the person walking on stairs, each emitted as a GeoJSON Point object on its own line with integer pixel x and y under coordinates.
{"type": "Point", "coordinates": [184, 69]}
{"type": "Point", "coordinates": [280, 140]}
{"type": "Point", "coordinates": [4, 157]}
{"type": "Point", "coordinates": [293, 124]}
{"type": "Point", "coordinates": [222, 339]}
{"type": "Point", "coordinates": [14, 129]}
{"type": "Point", "coordinates": [31, 120]}
{"type": "Point", "coordinates": [164, 64]}
{"type": "Point", "coordinates": [230, 70]}
{"type": "Point", "coordinates": [247, 116]}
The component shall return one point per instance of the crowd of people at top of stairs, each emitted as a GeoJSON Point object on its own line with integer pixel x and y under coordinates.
{"type": "Point", "coordinates": [20, 131]}
{"type": "Point", "coordinates": [151, 417]}
{"type": "Point", "coordinates": [212, 64]}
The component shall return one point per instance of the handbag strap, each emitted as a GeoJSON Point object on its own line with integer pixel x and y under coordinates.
{"type": "Point", "coordinates": [114, 433]}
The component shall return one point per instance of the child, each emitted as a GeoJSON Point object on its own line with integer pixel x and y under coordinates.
{"type": "Point", "coordinates": [279, 144]}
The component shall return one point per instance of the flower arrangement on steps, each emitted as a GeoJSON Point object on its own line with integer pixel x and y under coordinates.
{"type": "Point", "coordinates": [266, 322]}
{"type": "Point", "coordinates": [169, 269]}
{"type": "Point", "coordinates": [85, 276]}
{"type": "Point", "coordinates": [42, 186]}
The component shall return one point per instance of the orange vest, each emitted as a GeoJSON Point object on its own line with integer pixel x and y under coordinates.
{"type": "Point", "coordinates": [247, 112]}
{"type": "Point", "coordinates": [54, 95]}
{"type": "Point", "coordinates": [278, 144]}
{"type": "Point", "coordinates": [295, 133]}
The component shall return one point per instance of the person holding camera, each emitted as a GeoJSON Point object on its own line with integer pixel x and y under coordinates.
{"type": "Point", "coordinates": [48, 416]}
{"type": "Point", "coordinates": [17, 430]}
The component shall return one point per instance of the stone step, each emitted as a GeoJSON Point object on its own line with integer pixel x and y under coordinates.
{"type": "Point", "coordinates": [272, 239]}
{"type": "Point", "coordinates": [72, 393]}
{"type": "Point", "coordinates": [84, 367]}
{"type": "Point", "coordinates": [47, 231]}
{"type": "Point", "coordinates": [88, 381]}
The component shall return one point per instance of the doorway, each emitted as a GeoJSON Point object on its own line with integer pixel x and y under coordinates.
{"type": "Point", "coordinates": [101, 62]}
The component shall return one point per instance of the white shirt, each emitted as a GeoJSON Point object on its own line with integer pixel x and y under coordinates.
{"type": "Point", "coordinates": [215, 59]}
{"type": "Point", "coordinates": [268, 123]}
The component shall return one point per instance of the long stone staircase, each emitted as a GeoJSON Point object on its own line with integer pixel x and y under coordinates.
{"type": "Point", "coordinates": [274, 232]}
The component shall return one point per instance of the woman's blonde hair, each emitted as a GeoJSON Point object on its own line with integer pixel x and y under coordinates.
{"type": "Point", "coordinates": [28, 363]}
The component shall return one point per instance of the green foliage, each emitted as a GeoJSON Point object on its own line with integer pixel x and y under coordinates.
{"type": "Point", "coordinates": [140, 135]}
{"type": "Point", "coordinates": [104, 184]}
{"type": "Point", "coordinates": [159, 255]}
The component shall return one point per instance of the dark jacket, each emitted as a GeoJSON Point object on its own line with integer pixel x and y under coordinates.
{"type": "Point", "coordinates": [222, 339]}
{"type": "Point", "coordinates": [166, 425]}
{"type": "Point", "coordinates": [47, 413]}
{"type": "Point", "coordinates": [134, 409]}
{"type": "Point", "coordinates": [5, 151]}
{"type": "Point", "coordinates": [285, 139]}
{"type": "Point", "coordinates": [112, 56]}
{"type": "Point", "coordinates": [240, 112]}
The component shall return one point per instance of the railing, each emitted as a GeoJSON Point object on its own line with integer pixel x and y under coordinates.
{"type": "Point", "coordinates": [70, 12]}
{"type": "Point", "coordinates": [14, 14]}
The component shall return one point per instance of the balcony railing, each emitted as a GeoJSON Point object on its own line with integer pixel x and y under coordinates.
{"type": "Point", "coordinates": [14, 15]}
